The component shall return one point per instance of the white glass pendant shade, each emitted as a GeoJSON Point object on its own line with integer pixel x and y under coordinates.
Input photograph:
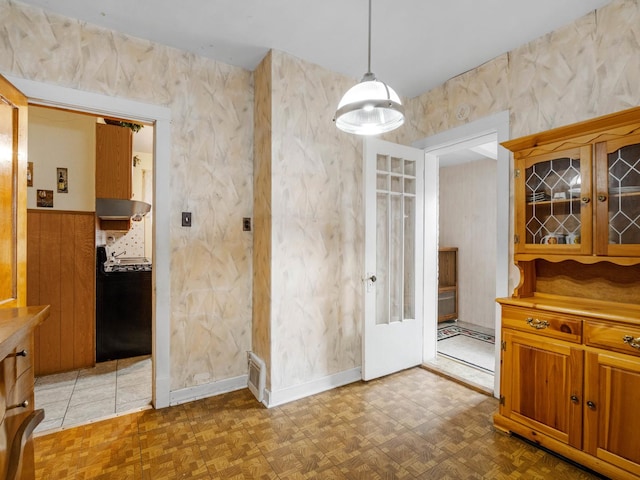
{"type": "Point", "coordinates": [369, 108]}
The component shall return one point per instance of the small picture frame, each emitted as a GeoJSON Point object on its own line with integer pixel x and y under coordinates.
{"type": "Point", "coordinates": [45, 198]}
{"type": "Point", "coordinates": [29, 174]}
{"type": "Point", "coordinates": [62, 180]}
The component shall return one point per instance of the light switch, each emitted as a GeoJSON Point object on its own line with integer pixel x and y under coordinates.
{"type": "Point", "coordinates": [186, 219]}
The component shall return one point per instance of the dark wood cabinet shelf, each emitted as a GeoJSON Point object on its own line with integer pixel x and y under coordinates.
{"type": "Point", "coordinates": [447, 284]}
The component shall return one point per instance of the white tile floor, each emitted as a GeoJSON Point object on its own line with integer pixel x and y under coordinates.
{"type": "Point", "coordinates": [461, 371]}
{"type": "Point", "coordinates": [82, 396]}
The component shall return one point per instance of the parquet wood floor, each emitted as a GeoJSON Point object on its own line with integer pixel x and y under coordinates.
{"type": "Point", "coordinates": [411, 425]}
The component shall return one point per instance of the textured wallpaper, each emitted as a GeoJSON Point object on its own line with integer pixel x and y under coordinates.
{"type": "Point", "coordinates": [587, 69]}
{"type": "Point", "coordinates": [211, 169]}
{"type": "Point", "coordinates": [316, 222]}
{"type": "Point", "coordinates": [583, 70]}
{"type": "Point", "coordinates": [311, 258]}
{"type": "Point", "coordinates": [466, 193]}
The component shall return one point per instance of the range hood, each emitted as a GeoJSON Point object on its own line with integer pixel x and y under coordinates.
{"type": "Point", "coordinates": [118, 209]}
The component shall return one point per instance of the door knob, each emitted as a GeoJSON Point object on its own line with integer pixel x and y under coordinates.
{"type": "Point", "coordinates": [591, 405]}
{"type": "Point", "coordinates": [369, 280]}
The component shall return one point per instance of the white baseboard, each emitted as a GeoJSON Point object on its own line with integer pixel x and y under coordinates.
{"type": "Point", "coordinates": [208, 390]}
{"type": "Point", "coordinates": [296, 392]}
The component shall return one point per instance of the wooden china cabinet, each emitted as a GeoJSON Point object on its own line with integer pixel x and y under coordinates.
{"type": "Point", "coordinates": [571, 330]}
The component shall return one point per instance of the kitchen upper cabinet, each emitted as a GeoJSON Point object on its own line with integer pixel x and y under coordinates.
{"type": "Point", "coordinates": [114, 147]}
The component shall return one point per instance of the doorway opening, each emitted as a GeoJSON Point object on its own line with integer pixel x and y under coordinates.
{"type": "Point", "coordinates": [466, 206]}
{"type": "Point", "coordinates": [93, 103]}
{"type": "Point", "coordinates": [93, 359]}
{"type": "Point", "coordinates": [467, 259]}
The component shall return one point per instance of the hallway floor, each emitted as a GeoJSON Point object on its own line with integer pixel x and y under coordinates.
{"type": "Point", "coordinates": [461, 371]}
{"type": "Point", "coordinates": [410, 425]}
{"type": "Point", "coordinates": [81, 396]}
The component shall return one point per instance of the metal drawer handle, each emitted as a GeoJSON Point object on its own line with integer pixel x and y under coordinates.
{"type": "Point", "coordinates": [21, 353]}
{"type": "Point", "coordinates": [536, 323]}
{"type": "Point", "coordinates": [632, 342]}
{"type": "Point", "coordinates": [23, 404]}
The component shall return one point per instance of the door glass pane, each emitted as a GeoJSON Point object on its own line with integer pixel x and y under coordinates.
{"type": "Point", "coordinates": [409, 257]}
{"type": "Point", "coordinates": [396, 243]}
{"type": "Point", "coordinates": [382, 163]}
{"type": "Point", "coordinates": [382, 258]}
{"type": "Point", "coordinates": [624, 195]}
{"type": "Point", "coordinates": [396, 263]}
{"type": "Point", "coordinates": [382, 182]}
{"type": "Point", "coordinates": [396, 165]}
{"type": "Point", "coordinates": [553, 192]}
{"type": "Point", "coordinates": [409, 168]}
{"type": "Point", "coordinates": [396, 184]}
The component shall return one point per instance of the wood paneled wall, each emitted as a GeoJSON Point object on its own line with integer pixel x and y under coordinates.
{"type": "Point", "coordinates": [61, 273]}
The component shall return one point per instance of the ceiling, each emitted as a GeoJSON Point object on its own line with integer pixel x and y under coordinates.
{"type": "Point", "coordinates": [466, 154]}
{"type": "Point", "coordinates": [416, 44]}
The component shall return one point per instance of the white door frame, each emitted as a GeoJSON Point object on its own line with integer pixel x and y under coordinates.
{"type": "Point", "coordinates": [438, 144]}
{"type": "Point", "coordinates": [51, 95]}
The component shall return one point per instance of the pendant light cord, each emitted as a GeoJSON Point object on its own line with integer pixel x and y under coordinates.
{"type": "Point", "coordinates": [369, 57]}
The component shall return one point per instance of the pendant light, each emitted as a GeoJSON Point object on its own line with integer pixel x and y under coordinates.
{"type": "Point", "coordinates": [370, 107]}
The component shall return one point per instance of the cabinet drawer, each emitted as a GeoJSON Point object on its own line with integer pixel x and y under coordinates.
{"type": "Point", "coordinates": [619, 338]}
{"type": "Point", "coordinates": [555, 325]}
{"type": "Point", "coordinates": [21, 391]}
{"type": "Point", "coordinates": [18, 361]}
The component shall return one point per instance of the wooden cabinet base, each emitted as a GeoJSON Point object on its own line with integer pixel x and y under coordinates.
{"type": "Point", "coordinates": [507, 425]}
{"type": "Point", "coordinates": [17, 416]}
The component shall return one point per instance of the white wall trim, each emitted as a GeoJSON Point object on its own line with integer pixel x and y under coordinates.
{"type": "Point", "coordinates": [208, 390]}
{"type": "Point", "coordinates": [296, 392]}
{"type": "Point", "coordinates": [95, 103]}
{"type": "Point", "coordinates": [443, 142]}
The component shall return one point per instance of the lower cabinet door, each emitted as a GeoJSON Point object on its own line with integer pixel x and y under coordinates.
{"type": "Point", "coordinates": [542, 385]}
{"type": "Point", "coordinates": [612, 397]}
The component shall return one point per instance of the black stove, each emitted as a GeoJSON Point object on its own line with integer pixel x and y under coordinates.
{"type": "Point", "coordinates": [110, 267]}
{"type": "Point", "coordinates": [123, 306]}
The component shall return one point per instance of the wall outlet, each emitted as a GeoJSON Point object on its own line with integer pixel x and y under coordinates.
{"type": "Point", "coordinates": [186, 219]}
{"type": "Point", "coordinates": [246, 224]}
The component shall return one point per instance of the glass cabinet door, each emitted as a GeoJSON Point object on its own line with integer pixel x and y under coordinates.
{"type": "Point", "coordinates": [617, 197]}
{"type": "Point", "coordinates": [553, 203]}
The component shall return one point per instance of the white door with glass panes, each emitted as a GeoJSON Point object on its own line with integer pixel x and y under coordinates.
{"type": "Point", "coordinates": [393, 280]}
